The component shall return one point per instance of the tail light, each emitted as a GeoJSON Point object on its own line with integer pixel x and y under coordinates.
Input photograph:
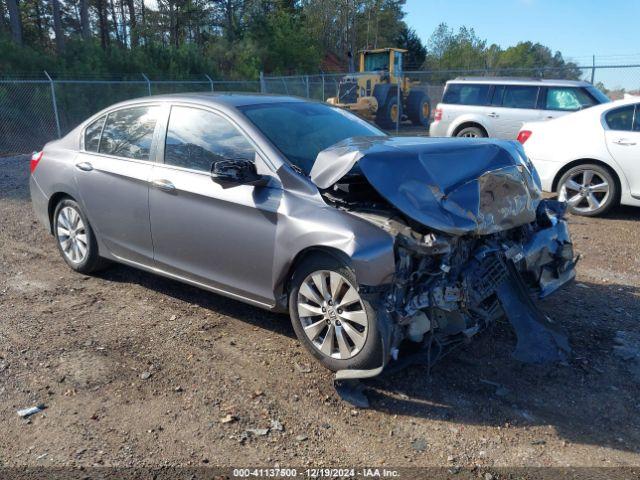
{"type": "Point", "coordinates": [438, 115]}
{"type": "Point", "coordinates": [524, 135]}
{"type": "Point", "coordinates": [35, 159]}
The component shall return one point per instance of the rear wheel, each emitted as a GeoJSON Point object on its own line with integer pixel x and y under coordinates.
{"type": "Point", "coordinates": [588, 189]}
{"type": "Point", "coordinates": [75, 238]}
{"type": "Point", "coordinates": [471, 132]}
{"type": "Point", "coordinates": [330, 317]}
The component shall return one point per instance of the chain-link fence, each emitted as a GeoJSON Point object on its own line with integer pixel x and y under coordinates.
{"type": "Point", "coordinates": [35, 110]}
{"type": "Point", "coordinates": [613, 80]}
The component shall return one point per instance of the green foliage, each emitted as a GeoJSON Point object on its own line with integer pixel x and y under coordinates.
{"type": "Point", "coordinates": [237, 39]}
{"type": "Point", "coordinates": [416, 54]}
{"type": "Point", "coordinates": [463, 50]}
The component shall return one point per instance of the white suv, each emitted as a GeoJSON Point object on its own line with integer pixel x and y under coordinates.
{"type": "Point", "coordinates": [498, 107]}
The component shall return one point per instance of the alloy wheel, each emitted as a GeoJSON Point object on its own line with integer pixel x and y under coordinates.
{"type": "Point", "coordinates": [585, 191]}
{"type": "Point", "coordinates": [469, 134]}
{"type": "Point", "coordinates": [72, 235]}
{"type": "Point", "coordinates": [332, 314]}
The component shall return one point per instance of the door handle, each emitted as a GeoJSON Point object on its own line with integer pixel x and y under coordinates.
{"type": "Point", "coordinates": [550, 117]}
{"type": "Point", "coordinates": [84, 166]}
{"type": "Point", "coordinates": [624, 142]}
{"type": "Point", "coordinates": [493, 115]}
{"type": "Point", "coordinates": [164, 185]}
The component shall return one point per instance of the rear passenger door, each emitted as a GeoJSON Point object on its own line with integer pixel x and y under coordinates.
{"type": "Point", "coordinates": [512, 106]}
{"type": "Point", "coordinates": [112, 173]}
{"type": "Point", "coordinates": [466, 102]}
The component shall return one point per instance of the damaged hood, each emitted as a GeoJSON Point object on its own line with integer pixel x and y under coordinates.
{"type": "Point", "coordinates": [458, 186]}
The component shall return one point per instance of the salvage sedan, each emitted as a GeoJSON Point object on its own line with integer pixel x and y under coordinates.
{"type": "Point", "coordinates": [369, 242]}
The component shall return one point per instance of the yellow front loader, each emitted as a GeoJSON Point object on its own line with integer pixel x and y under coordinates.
{"type": "Point", "coordinates": [373, 92]}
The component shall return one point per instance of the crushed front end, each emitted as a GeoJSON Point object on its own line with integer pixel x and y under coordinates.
{"type": "Point", "coordinates": [449, 288]}
{"type": "Point", "coordinates": [474, 240]}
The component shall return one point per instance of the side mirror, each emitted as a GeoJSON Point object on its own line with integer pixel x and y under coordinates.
{"type": "Point", "coordinates": [229, 173]}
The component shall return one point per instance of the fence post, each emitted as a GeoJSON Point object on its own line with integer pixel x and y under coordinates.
{"type": "Point", "coordinates": [593, 71]}
{"type": "Point", "coordinates": [55, 103]}
{"type": "Point", "coordinates": [306, 78]}
{"type": "Point", "coordinates": [148, 83]}
{"type": "Point", "coordinates": [399, 81]}
{"type": "Point", "coordinates": [323, 97]}
{"type": "Point", "coordinates": [263, 85]}
{"type": "Point", "coordinates": [210, 81]}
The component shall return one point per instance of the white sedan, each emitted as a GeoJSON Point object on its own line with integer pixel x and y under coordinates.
{"type": "Point", "coordinates": [590, 158]}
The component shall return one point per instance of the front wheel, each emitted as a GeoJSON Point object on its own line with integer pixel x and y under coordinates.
{"type": "Point", "coordinates": [331, 318]}
{"type": "Point", "coordinates": [419, 108]}
{"type": "Point", "coordinates": [588, 189]}
{"type": "Point", "coordinates": [389, 114]}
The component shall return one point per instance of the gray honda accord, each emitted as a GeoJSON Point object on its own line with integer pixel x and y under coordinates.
{"type": "Point", "coordinates": [375, 245]}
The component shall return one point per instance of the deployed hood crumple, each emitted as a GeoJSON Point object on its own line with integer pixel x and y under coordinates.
{"type": "Point", "coordinates": [458, 186]}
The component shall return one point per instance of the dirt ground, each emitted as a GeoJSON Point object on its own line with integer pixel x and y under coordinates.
{"type": "Point", "coordinates": [135, 369]}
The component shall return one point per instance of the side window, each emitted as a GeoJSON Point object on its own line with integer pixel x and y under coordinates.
{"type": "Point", "coordinates": [128, 132]}
{"type": "Point", "coordinates": [92, 135]}
{"type": "Point", "coordinates": [196, 139]}
{"type": "Point", "coordinates": [567, 99]}
{"type": "Point", "coordinates": [466, 94]}
{"type": "Point", "coordinates": [620, 118]}
{"type": "Point", "coordinates": [498, 93]}
{"type": "Point", "coordinates": [520, 96]}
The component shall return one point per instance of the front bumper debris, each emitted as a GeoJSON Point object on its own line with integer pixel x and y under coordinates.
{"type": "Point", "coordinates": [447, 289]}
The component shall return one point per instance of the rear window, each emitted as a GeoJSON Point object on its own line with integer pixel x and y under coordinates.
{"type": "Point", "coordinates": [520, 96]}
{"type": "Point", "coordinates": [568, 99]}
{"type": "Point", "coordinates": [128, 132]}
{"type": "Point", "coordinates": [92, 135]}
{"type": "Point", "coordinates": [466, 94]}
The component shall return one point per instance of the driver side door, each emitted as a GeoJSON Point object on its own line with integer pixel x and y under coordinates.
{"type": "Point", "coordinates": [220, 238]}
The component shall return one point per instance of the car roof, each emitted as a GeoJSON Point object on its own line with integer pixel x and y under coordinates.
{"type": "Point", "coordinates": [521, 81]}
{"type": "Point", "coordinates": [227, 99]}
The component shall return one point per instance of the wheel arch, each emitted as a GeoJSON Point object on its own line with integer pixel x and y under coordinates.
{"type": "Point", "coordinates": [54, 200]}
{"type": "Point", "coordinates": [584, 161]}
{"type": "Point", "coordinates": [302, 256]}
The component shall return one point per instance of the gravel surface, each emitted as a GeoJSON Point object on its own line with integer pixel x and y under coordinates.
{"type": "Point", "coordinates": [135, 369]}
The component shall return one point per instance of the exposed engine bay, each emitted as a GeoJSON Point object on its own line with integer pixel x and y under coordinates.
{"type": "Point", "coordinates": [470, 249]}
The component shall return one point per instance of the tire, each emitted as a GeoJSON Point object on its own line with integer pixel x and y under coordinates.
{"type": "Point", "coordinates": [419, 108]}
{"type": "Point", "coordinates": [589, 190]}
{"type": "Point", "coordinates": [73, 234]}
{"type": "Point", "coordinates": [384, 115]}
{"type": "Point", "coordinates": [471, 132]}
{"type": "Point", "coordinates": [363, 351]}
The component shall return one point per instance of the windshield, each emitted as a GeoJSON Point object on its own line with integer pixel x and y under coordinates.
{"type": "Point", "coordinates": [376, 61]}
{"type": "Point", "coordinates": [301, 130]}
